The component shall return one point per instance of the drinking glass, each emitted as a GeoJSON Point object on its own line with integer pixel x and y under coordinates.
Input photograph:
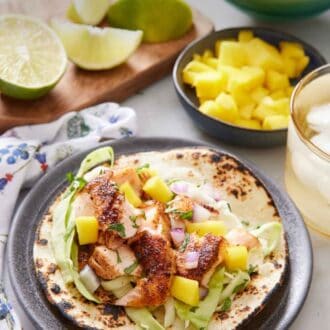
{"type": "Point", "coordinates": [307, 172]}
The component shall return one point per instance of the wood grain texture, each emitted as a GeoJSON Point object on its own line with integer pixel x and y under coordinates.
{"type": "Point", "coordinates": [79, 88]}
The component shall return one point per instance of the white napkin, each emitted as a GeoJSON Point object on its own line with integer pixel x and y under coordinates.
{"type": "Point", "coordinates": [27, 153]}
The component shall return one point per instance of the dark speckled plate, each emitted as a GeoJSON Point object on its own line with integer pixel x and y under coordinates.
{"type": "Point", "coordinates": [278, 313]}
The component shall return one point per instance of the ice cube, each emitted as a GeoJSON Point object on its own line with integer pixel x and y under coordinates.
{"type": "Point", "coordinates": [322, 141]}
{"type": "Point", "coordinates": [319, 118]}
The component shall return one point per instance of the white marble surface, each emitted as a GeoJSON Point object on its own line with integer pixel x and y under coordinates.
{"type": "Point", "coordinates": [160, 114]}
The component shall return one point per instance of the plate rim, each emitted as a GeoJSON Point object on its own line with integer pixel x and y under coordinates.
{"type": "Point", "coordinates": [166, 143]}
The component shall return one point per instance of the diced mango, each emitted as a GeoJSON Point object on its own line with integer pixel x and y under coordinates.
{"type": "Point", "coordinates": [245, 35]}
{"type": "Point", "coordinates": [228, 109]}
{"type": "Point", "coordinates": [185, 290]}
{"type": "Point", "coordinates": [301, 65]}
{"type": "Point", "coordinates": [232, 53]}
{"type": "Point", "coordinates": [130, 194]}
{"type": "Point", "coordinates": [207, 54]}
{"type": "Point", "coordinates": [263, 55]}
{"type": "Point", "coordinates": [195, 66]}
{"type": "Point", "coordinates": [275, 122]}
{"type": "Point", "coordinates": [217, 48]}
{"type": "Point", "coordinates": [197, 58]}
{"type": "Point", "coordinates": [209, 84]}
{"type": "Point", "coordinates": [87, 229]}
{"type": "Point", "coordinates": [289, 91]}
{"type": "Point", "coordinates": [189, 77]}
{"type": "Point", "coordinates": [290, 66]}
{"type": "Point", "coordinates": [248, 123]}
{"type": "Point", "coordinates": [236, 258]}
{"type": "Point", "coordinates": [242, 97]}
{"type": "Point", "coordinates": [276, 80]}
{"type": "Point", "coordinates": [259, 93]}
{"type": "Point", "coordinates": [279, 94]}
{"type": "Point", "coordinates": [217, 228]}
{"type": "Point", "coordinates": [210, 108]}
{"type": "Point", "coordinates": [270, 107]}
{"type": "Point", "coordinates": [247, 79]}
{"type": "Point", "coordinates": [292, 49]}
{"type": "Point", "coordinates": [157, 189]}
{"type": "Point", "coordinates": [212, 62]}
{"type": "Point", "coordinates": [246, 111]}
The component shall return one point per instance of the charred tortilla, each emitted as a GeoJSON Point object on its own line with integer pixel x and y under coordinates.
{"type": "Point", "coordinates": [249, 200]}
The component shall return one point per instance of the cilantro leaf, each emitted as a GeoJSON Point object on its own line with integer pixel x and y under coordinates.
{"type": "Point", "coordinates": [142, 167]}
{"type": "Point", "coordinates": [185, 242]}
{"type": "Point", "coordinates": [118, 257]}
{"type": "Point", "coordinates": [226, 305]}
{"type": "Point", "coordinates": [133, 220]}
{"type": "Point", "coordinates": [69, 177]}
{"type": "Point", "coordinates": [252, 269]}
{"type": "Point", "coordinates": [130, 269]}
{"type": "Point", "coordinates": [240, 287]}
{"type": "Point", "coordinates": [119, 228]}
{"type": "Point", "coordinates": [186, 215]}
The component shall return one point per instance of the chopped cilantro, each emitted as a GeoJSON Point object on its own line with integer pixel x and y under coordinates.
{"type": "Point", "coordinates": [240, 287]}
{"type": "Point", "coordinates": [118, 227]}
{"type": "Point", "coordinates": [69, 177]}
{"type": "Point", "coordinates": [185, 242]}
{"type": "Point", "coordinates": [118, 257]}
{"type": "Point", "coordinates": [142, 167]}
{"type": "Point", "coordinates": [170, 181]}
{"type": "Point", "coordinates": [245, 223]}
{"type": "Point", "coordinates": [186, 215]}
{"type": "Point", "coordinates": [133, 220]}
{"type": "Point", "coordinates": [226, 305]}
{"type": "Point", "coordinates": [130, 269]}
{"type": "Point", "coordinates": [229, 207]}
{"type": "Point", "coordinates": [252, 269]}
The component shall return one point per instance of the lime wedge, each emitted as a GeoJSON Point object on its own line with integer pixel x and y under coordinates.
{"type": "Point", "coordinates": [94, 48]}
{"type": "Point", "coordinates": [32, 57]}
{"type": "Point", "coordinates": [88, 11]}
{"type": "Point", "coordinates": [160, 20]}
{"type": "Point", "coordinates": [72, 14]}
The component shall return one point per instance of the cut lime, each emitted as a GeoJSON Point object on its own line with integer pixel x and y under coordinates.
{"type": "Point", "coordinates": [160, 20]}
{"type": "Point", "coordinates": [88, 11]}
{"type": "Point", "coordinates": [94, 48]}
{"type": "Point", "coordinates": [32, 58]}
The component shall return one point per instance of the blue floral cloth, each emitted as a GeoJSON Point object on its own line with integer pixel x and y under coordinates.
{"type": "Point", "coordinates": [28, 152]}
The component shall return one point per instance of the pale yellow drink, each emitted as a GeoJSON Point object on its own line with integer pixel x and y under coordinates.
{"type": "Point", "coordinates": [307, 174]}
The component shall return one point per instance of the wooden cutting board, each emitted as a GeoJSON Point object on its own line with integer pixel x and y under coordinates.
{"type": "Point", "coordinates": [79, 88]}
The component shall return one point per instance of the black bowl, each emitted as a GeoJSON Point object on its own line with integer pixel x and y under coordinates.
{"type": "Point", "coordinates": [226, 132]}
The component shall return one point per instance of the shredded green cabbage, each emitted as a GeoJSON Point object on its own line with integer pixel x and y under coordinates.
{"type": "Point", "coordinates": [143, 318]}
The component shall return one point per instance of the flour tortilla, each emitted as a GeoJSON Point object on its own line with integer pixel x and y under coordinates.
{"type": "Point", "coordinates": [248, 199]}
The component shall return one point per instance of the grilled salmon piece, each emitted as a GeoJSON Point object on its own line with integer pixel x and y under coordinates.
{"type": "Point", "coordinates": [109, 264]}
{"type": "Point", "coordinates": [240, 236]}
{"type": "Point", "coordinates": [158, 262]}
{"type": "Point", "coordinates": [211, 250]}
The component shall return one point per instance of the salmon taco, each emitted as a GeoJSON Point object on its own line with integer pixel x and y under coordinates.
{"type": "Point", "coordinates": [181, 239]}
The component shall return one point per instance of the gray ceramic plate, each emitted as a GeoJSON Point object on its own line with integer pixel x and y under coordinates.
{"type": "Point", "coordinates": [278, 313]}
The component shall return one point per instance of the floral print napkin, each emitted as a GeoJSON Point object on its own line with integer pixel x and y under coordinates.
{"type": "Point", "coordinates": [28, 152]}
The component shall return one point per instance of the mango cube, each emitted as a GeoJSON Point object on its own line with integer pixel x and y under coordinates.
{"type": "Point", "coordinates": [279, 94]}
{"type": "Point", "coordinates": [246, 112]}
{"type": "Point", "coordinates": [270, 107]}
{"type": "Point", "coordinates": [245, 35]}
{"type": "Point", "coordinates": [258, 94]}
{"type": "Point", "coordinates": [248, 123]}
{"type": "Point", "coordinates": [236, 258]}
{"type": "Point", "coordinates": [228, 109]}
{"type": "Point", "coordinates": [212, 62]}
{"type": "Point", "coordinates": [130, 194]}
{"type": "Point", "coordinates": [157, 189]}
{"type": "Point", "coordinates": [216, 228]}
{"type": "Point", "coordinates": [276, 80]}
{"type": "Point", "coordinates": [275, 122]}
{"type": "Point", "coordinates": [301, 65]}
{"type": "Point", "coordinates": [217, 47]}
{"type": "Point", "coordinates": [195, 66]}
{"type": "Point", "coordinates": [263, 55]}
{"type": "Point", "coordinates": [207, 54]}
{"type": "Point", "coordinates": [232, 53]}
{"type": "Point", "coordinates": [289, 91]}
{"type": "Point", "coordinates": [290, 67]}
{"type": "Point", "coordinates": [185, 290]}
{"type": "Point", "coordinates": [209, 84]}
{"type": "Point", "coordinates": [292, 49]}
{"type": "Point", "coordinates": [242, 97]}
{"type": "Point", "coordinates": [87, 229]}
{"type": "Point", "coordinates": [247, 79]}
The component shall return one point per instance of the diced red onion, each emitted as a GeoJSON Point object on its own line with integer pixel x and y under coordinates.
{"type": "Point", "coordinates": [177, 235]}
{"type": "Point", "coordinates": [200, 213]}
{"type": "Point", "coordinates": [89, 279]}
{"type": "Point", "coordinates": [191, 261]}
{"type": "Point", "coordinates": [203, 292]}
{"type": "Point", "coordinates": [179, 187]}
{"type": "Point", "coordinates": [177, 223]}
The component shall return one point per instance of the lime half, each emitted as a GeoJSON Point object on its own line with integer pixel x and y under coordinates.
{"type": "Point", "coordinates": [32, 57]}
{"type": "Point", "coordinates": [88, 11]}
{"type": "Point", "coordinates": [94, 48]}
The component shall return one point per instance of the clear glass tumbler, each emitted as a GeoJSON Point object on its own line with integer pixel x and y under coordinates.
{"type": "Point", "coordinates": [307, 173]}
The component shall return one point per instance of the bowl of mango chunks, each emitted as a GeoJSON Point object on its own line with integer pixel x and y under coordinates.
{"type": "Point", "coordinates": [236, 84]}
